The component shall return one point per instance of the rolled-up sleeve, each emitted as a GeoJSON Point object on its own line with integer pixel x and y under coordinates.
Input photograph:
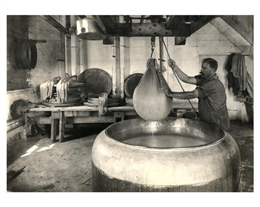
{"type": "Point", "coordinates": [199, 80]}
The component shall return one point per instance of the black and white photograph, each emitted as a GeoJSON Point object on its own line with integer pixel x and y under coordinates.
{"type": "Point", "coordinates": [104, 105]}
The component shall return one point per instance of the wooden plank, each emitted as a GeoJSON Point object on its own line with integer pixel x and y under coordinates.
{"type": "Point", "coordinates": [46, 109]}
{"type": "Point", "coordinates": [240, 28]}
{"type": "Point", "coordinates": [121, 108]}
{"type": "Point", "coordinates": [100, 23]}
{"type": "Point", "coordinates": [148, 30]}
{"type": "Point", "coordinates": [102, 119]}
{"type": "Point", "coordinates": [79, 108]}
{"type": "Point", "coordinates": [57, 109]}
{"type": "Point", "coordinates": [174, 22]}
{"type": "Point", "coordinates": [108, 21]}
{"type": "Point", "coordinates": [68, 113]}
{"type": "Point", "coordinates": [44, 120]}
{"type": "Point", "coordinates": [15, 131]}
{"type": "Point", "coordinates": [202, 21]}
{"type": "Point", "coordinates": [35, 113]}
{"type": "Point", "coordinates": [83, 113]}
{"type": "Point", "coordinates": [55, 115]}
{"type": "Point", "coordinates": [54, 23]}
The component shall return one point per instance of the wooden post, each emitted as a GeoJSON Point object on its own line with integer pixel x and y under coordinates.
{"type": "Point", "coordinates": [53, 128]}
{"type": "Point", "coordinates": [61, 128]}
{"type": "Point", "coordinates": [67, 55]}
{"type": "Point", "coordinates": [161, 52]}
{"type": "Point", "coordinates": [75, 56]}
{"type": "Point", "coordinates": [127, 57]}
{"type": "Point", "coordinates": [118, 71]}
{"type": "Point", "coordinates": [83, 55]}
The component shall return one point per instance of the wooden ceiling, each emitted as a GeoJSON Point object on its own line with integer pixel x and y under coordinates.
{"type": "Point", "coordinates": [180, 26]}
{"type": "Point", "coordinates": [132, 26]}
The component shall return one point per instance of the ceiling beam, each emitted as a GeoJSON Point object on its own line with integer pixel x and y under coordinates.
{"type": "Point", "coordinates": [174, 22]}
{"type": "Point", "coordinates": [180, 40]}
{"type": "Point", "coordinates": [240, 28]}
{"type": "Point", "coordinates": [108, 41]}
{"type": "Point", "coordinates": [82, 16]}
{"type": "Point", "coordinates": [54, 23]}
{"type": "Point", "coordinates": [147, 30]}
{"type": "Point", "coordinates": [202, 21]}
{"type": "Point", "coordinates": [99, 20]}
{"type": "Point", "coordinates": [194, 27]}
{"type": "Point", "coordinates": [100, 23]}
{"type": "Point", "coordinates": [142, 19]}
{"type": "Point", "coordinates": [109, 22]}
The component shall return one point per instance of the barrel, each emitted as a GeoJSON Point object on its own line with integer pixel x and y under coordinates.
{"type": "Point", "coordinates": [173, 155]}
{"type": "Point", "coordinates": [95, 81]}
{"type": "Point", "coordinates": [130, 84]}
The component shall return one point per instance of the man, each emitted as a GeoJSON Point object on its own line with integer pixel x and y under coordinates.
{"type": "Point", "coordinates": [210, 92]}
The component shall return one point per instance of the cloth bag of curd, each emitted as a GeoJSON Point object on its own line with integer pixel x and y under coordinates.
{"type": "Point", "coordinates": [149, 100]}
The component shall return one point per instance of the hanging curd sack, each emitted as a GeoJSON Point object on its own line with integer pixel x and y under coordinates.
{"type": "Point", "coordinates": [150, 102]}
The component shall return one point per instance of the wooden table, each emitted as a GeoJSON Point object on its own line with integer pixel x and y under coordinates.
{"type": "Point", "coordinates": [86, 114]}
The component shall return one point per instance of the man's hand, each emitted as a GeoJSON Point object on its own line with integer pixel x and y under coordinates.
{"type": "Point", "coordinates": [172, 64]}
{"type": "Point", "coordinates": [166, 90]}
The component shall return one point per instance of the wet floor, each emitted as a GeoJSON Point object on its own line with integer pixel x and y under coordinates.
{"type": "Point", "coordinates": [66, 167]}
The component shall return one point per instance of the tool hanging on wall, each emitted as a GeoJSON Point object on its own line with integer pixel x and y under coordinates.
{"type": "Point", "coordinates": [26, 53]}
{"type": "Point", "coordinates": [177, 76]}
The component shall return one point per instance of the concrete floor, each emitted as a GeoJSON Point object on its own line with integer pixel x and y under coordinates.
{"type": "Point", "coordinates": [66, 167]}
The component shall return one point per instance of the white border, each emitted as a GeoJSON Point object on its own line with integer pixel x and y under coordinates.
{"type": "Point", "coordinates": [133, 7]}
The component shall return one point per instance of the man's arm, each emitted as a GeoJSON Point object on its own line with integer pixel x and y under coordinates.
{"type": "Point", "coordinates": [185, 78]}
{"type": "Point", "coordinates": [182, 95]}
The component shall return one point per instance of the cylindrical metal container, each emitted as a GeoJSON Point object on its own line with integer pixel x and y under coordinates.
{"type": "Point", "coordinates": [167, 156]}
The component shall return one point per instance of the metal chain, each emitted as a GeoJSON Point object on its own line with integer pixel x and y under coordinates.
{"type": "Point", "coordinates": [152, 45]}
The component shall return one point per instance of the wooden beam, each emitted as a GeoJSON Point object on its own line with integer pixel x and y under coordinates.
{"type": "Point", "coordinates": [100, 23]}
{"type": "Point", "coordinates": [92, 119]}
{"type": "Point", "coordinates": [240, 28]}
{"type": "Point", "coordinates": [148, 30]}
{"type": "Point", "coordinates": [99, 20]}
{"type": "Point", "coordinates": [81, 16]}
{"type": "Point", "coordinates": [202, 21]}
{"type": "Point", "coordinates": [109, 22]}
{"type": "Point", "coordinates": [142, 19]}
{"type": "Point", "coordinates": [108, 41]}
{"type": "Point", "coordinates": [15, 131]}
{"type": "Point", "coordinates": [67, 22]}
{"type": "Point", "coordinates": [180, 40]}
{"type": "Point", "coordinates": [174, 22]}
{"type": "Point", "coordinates": [54, 23]}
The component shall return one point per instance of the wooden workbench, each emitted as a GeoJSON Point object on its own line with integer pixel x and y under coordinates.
{"type": "Point", "coordinates": [86, 114]}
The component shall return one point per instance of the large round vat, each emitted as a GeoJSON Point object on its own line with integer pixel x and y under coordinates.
{"type": "Point", "coordinates": [172, 155]}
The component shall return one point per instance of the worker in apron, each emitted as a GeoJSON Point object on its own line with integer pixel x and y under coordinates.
{"type": "Point", "coordinates": [210, 91]}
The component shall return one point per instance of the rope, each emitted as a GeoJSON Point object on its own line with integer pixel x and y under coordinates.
{"type": "Point", "coordinates": [177, 76]}
{"type": "Point", "coordinates": [152, 45]}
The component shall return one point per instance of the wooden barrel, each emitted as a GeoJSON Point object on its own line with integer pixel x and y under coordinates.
{"type": "Point", "coordinates": [95, 81]}
{"type": "Point", "coordinates": [130, 84]}
{"type": "Point", "coordinates": [205, 159]}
